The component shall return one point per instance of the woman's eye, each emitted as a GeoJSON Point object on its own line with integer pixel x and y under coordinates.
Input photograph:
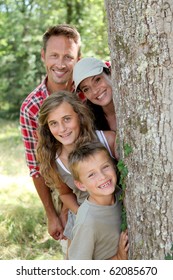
{"type": "Point", "coordinates": [85, 90]}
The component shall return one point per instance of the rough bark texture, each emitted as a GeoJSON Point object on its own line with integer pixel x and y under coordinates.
{"type": "Point", "coordinates": [141, 45]}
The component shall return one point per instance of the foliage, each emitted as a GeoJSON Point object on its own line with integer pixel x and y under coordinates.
{"type": "Point", "coordinates": [170, 256]}
{"type": "Point", "coordinates": [22, 24]}
{"type": "Point", "coordinates": [123, 171]}
{"type": "Point", "coordinates": [23, 228]}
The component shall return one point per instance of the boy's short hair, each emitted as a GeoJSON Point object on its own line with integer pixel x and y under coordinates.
{"type": "Point", "coordinates": [66, 30]}
{"type": "Point", "coordinates": [83, 152]}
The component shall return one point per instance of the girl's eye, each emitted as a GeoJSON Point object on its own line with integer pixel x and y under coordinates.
{"type": "Point", "coordinates": [67, 119]}
{"type": "Point", "coordinates": [52, 124]}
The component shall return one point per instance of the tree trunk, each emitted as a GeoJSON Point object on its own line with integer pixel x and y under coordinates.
{"type": "Point", "coordinates": [141, 45]}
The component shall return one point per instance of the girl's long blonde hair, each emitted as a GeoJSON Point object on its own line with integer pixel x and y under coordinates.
{"type": "Point", "coordinates": [48, 146]}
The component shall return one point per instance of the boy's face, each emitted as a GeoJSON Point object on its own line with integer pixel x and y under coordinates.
{"type": "Point", "coordinates": [97, 175]}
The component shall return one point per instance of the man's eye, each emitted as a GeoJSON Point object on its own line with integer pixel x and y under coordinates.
{"type": "Point", "coordinates": [54, 55]}
{"type": "Point", "coordinates": [69, 57]}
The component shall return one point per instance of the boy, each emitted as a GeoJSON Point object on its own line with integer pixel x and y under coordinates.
{"type": "Point", "coordinates": [96, 234]}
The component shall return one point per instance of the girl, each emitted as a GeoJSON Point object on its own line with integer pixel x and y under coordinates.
{"type": "Point", "coordinates": [64, 122]}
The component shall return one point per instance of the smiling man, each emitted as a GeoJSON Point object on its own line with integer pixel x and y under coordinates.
{"type": "Point", "coordinates": [60, 52]}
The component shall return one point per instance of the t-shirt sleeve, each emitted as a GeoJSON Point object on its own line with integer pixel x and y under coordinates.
{"type": "Point", "coordinates": [82, 244]}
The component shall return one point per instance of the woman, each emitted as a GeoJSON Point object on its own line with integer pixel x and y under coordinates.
{"type": "Point", "coordinates": [92, 77]}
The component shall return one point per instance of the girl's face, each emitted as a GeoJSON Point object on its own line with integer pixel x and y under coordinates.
{"type": "Point", "coordinates": [97, 89]}
{"type": "Point", "coordinates": [64, 124]}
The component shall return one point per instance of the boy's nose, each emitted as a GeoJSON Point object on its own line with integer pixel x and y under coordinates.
{"type": "Point", "coordinates": [101, 175]}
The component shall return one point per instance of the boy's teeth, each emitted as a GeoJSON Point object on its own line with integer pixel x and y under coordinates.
{"type": "Point", "coordinates": [104, 186]}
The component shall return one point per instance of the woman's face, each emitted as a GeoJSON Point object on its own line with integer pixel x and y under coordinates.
{"type": "Point", "coordinates": [64, 124]}
{"type": "Point", "coordinates": [97, 89]}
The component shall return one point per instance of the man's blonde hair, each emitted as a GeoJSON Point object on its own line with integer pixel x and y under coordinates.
{"type": "Point", "coordinates": [66, 30]}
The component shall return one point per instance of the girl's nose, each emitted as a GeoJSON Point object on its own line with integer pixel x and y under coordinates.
{"type": "Point", "coordinates": [62, 127]}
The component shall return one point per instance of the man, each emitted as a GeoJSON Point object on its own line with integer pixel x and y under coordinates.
{"type": "Point", "coordinates": [60, 52]}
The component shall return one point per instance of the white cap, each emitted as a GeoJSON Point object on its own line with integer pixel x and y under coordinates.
{"type": "Point", "coordinates": [87, 67]}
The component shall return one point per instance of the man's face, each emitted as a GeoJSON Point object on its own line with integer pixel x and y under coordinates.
{"type": "Point", "coordinates": [59, 58]}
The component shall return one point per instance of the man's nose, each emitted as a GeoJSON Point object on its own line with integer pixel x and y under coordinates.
{"type": "Point", "coordinates": [60, 63]}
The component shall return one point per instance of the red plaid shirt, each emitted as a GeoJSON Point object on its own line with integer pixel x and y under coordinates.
{"type": "Point", "coordinates": [29, 124]}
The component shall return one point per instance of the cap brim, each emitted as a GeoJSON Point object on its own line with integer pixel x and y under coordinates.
{"type": "Point", "coordinates": [88, 74]}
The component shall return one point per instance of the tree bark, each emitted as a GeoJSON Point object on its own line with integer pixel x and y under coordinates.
{"type": "Point", "coordinates": [141, 45]}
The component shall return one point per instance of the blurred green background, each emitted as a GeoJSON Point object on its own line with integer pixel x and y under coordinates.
{"type": "Point", "coordinates": [22, 24]}
{"type": "Point", "coordinates": [23, 229]}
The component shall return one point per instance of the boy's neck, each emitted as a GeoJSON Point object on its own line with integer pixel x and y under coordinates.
{"type": "Point", "coordinates": [103, 200]}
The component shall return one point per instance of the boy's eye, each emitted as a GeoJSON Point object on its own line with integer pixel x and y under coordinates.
{"type": "Point", "coordinates": [106, 166]}
{"type": "Point", "coordinates": [90, 175]}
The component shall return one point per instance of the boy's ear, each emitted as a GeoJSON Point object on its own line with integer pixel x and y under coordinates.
{"type": "Point", "coordinates": [79, 185]}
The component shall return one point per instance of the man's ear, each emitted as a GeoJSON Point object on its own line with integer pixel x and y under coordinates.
{"type": "Point", "coordinates": [42, 55]}
{"type": "Point", "coordinates": [79, 185]}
